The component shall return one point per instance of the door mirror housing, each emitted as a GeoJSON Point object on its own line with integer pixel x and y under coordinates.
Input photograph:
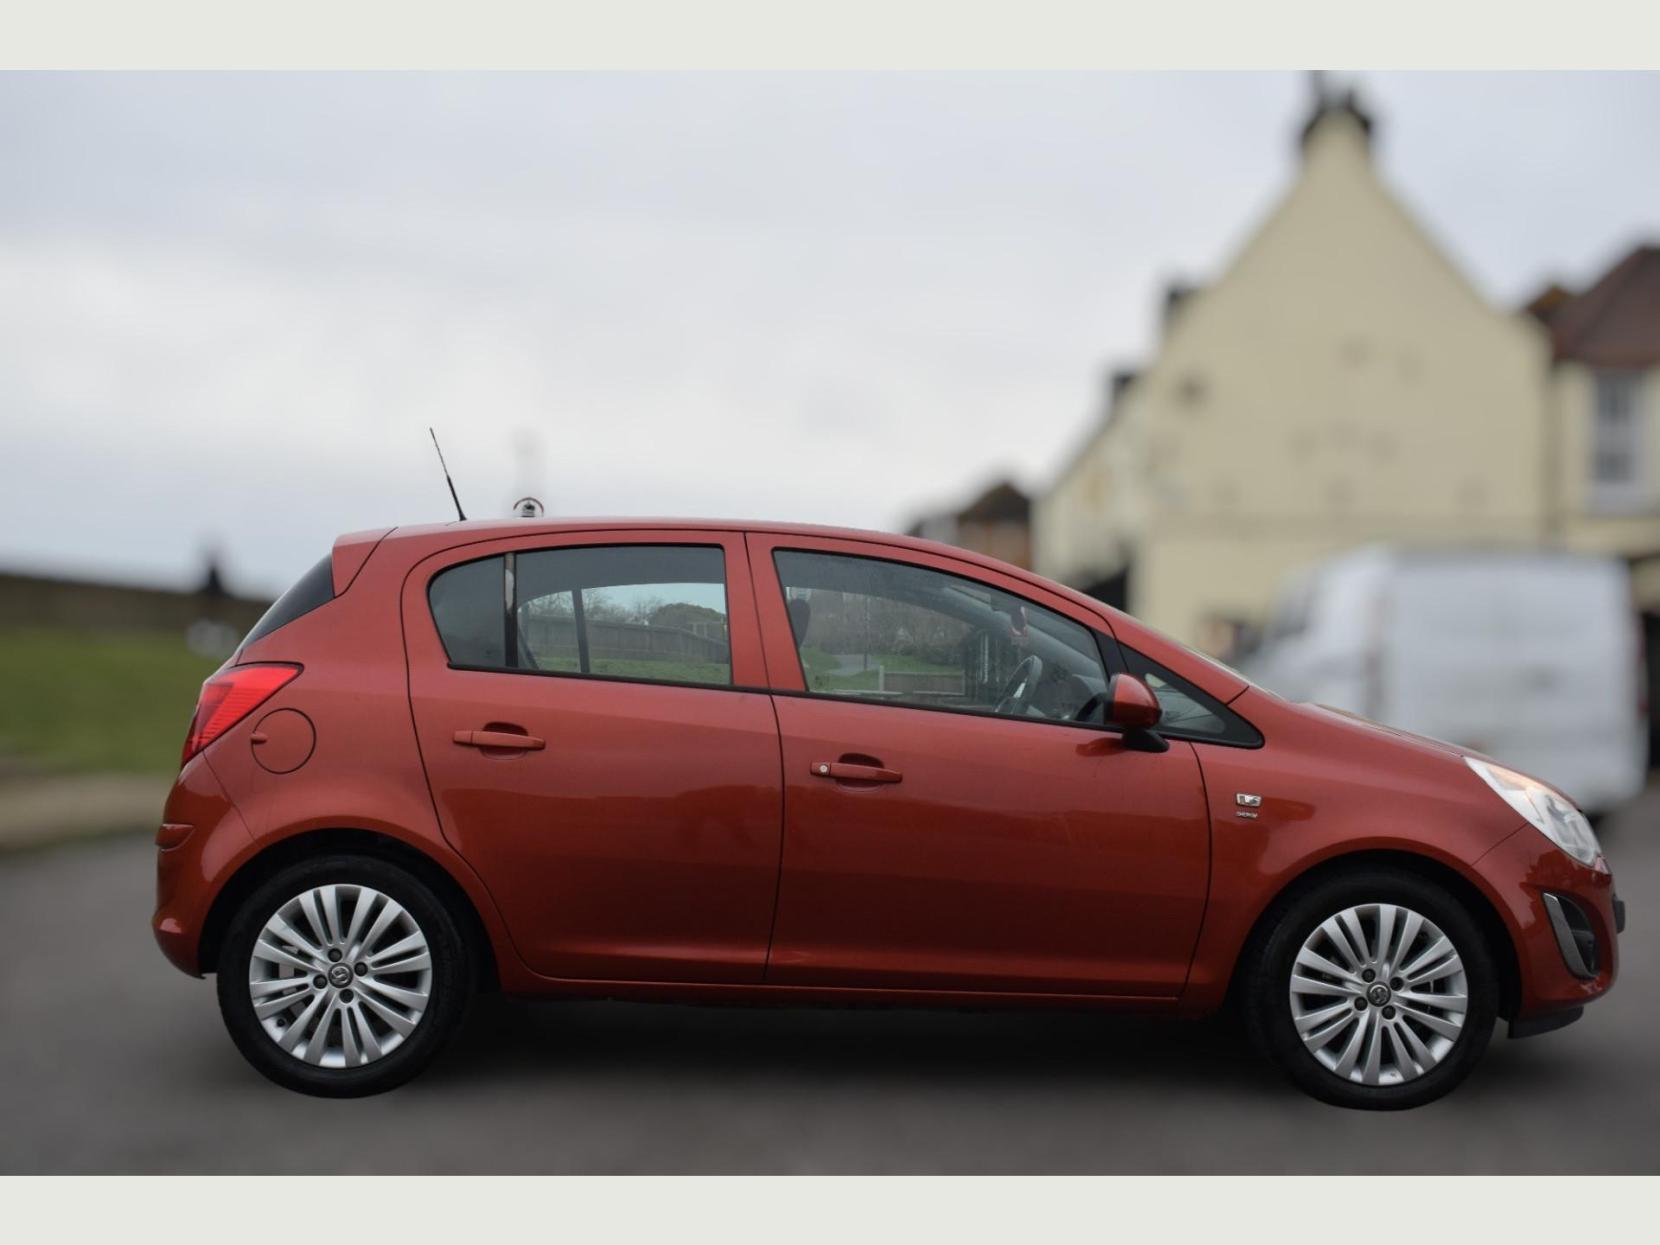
{"type": "Point", "coordinates": [1129, 704]}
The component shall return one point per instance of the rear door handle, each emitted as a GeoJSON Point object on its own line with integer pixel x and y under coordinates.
{"type": "Point", "coordinates": [842, 771]}
{"type": "Point", "coordinates": [499, 739]}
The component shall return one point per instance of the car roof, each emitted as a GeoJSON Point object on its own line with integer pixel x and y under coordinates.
{"type": "Point", "coordinates": [485, 528]}
{"type": "Point", "coordinates": [469, 530]}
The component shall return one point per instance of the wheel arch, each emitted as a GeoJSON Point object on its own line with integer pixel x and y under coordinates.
{"type": "Point", "coordinates": [1481, 907]}
{"type": "Point", "coordinates": [269, 860]}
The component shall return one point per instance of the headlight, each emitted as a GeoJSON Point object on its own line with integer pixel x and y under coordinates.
{"type": "Point", "coordinates": [1546, 811]}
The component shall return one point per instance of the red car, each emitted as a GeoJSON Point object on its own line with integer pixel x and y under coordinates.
{"type": "Point", "coordinates": [678, 760]}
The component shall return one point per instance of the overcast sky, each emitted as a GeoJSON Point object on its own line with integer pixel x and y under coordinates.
{"type": "Point", "coordinates": [230, 306]}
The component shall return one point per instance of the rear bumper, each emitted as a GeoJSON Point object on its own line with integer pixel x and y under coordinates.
{"type": "Point", "coordinates": [1564, 926]}
{"type": "Point", "coordinates": [201, 837]}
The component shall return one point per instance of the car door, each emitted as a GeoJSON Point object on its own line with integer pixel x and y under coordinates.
{"type": "Point", "coordinates": [938, 836]}
{"type": "Point", "coordinates": [592, 752]}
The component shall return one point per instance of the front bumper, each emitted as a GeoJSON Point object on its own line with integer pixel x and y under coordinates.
{"type": "Point", "coordinates": [1550, 1022]}
{"type": "Point", "coordinates": [1577, 942]}
{"type": "Point", "coordinates": [1564, 923]}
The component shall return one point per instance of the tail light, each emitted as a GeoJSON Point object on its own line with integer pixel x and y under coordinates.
{"type": "Point", "coordinates": [230, 696]}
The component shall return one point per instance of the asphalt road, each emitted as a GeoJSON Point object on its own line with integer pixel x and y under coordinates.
{"type": "Point", "coordinates": [113, 1062]}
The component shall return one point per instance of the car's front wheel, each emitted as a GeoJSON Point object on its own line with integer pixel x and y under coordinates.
{"type": "Point", "coordinates": [342, 976]}
{"type": "Point", "coordinates": [1372, 989]}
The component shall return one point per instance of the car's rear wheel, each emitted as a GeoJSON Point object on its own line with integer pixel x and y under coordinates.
{"type": "Point", "coordinates": [1373, 989]}
{"type": "Point", "coordinates": [343, 976]}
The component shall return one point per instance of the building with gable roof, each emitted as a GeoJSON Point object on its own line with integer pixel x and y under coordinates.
{"type": "Point", "coordinates": [1340, 383]}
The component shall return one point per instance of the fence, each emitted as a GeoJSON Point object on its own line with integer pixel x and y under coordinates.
{"type": "Point", "coordinates": [920, 683]}
{"type": "Point", "coordinates": [47, 601]}
{"type": "Point", "coordinates": [550, 636]}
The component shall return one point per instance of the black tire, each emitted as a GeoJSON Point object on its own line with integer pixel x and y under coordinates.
{"type": "Point", "coordinates": [451, 983]}
{"type": "Point", "coordinates": [1266, 985]}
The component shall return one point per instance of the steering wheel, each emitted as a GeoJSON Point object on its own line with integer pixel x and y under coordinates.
{"type": "Point", "coordinates": [1021, 687]}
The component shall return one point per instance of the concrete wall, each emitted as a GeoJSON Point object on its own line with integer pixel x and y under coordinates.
{"type": "Point", "coordinates": [42, 601]}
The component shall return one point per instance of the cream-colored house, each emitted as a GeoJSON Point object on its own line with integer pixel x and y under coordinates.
{"type": "Point", "coordinates": [1340, 383]}
{"type": "Point", "coordinates": [1604, 396]}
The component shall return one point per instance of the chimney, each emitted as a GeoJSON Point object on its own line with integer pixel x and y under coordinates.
{"type": "Point", "coordinates": [1328, 104]}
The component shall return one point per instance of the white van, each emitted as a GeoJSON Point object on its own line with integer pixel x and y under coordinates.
{"type": "Point", "coordinates": [1533, 658]}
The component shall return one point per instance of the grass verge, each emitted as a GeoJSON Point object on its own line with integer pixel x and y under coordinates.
{"type": "Point", "coordinates": [85, 701]}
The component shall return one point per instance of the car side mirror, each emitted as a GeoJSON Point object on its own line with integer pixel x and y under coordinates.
{"type": "Point", "coordinates": [1129, 704]}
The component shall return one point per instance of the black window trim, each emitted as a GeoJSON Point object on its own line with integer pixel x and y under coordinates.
{"type": "Point", "coordinates": [511, 628]}
{"type": "Point", "coordinates": [509, 612]}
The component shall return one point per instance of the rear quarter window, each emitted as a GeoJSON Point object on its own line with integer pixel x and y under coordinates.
{"type": "Point", "coordinates": [313, 589]}
{"type": "Point", "coordinates": [468, 605]}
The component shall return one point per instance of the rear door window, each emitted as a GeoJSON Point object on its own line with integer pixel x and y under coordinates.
{"type": "Point", "coordinates": [656, 613]}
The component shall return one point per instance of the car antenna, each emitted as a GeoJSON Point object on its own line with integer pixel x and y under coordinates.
{"type": "Point", "coordinates": [459, 513]}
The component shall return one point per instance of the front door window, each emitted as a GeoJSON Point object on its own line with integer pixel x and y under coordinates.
{"type": "Point", "coordinates": [897, 633]}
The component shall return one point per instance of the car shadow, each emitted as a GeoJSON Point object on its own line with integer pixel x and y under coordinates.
{"type": "Point", "coordinates": [524, 1039]}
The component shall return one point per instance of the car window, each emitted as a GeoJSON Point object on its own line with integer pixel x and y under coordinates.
{"type": "Point", "coordinates": [469, 607]}
{"type": "Point", "coordinates": [652, 612]}
{"type": "Point", "coordinates": [311, 591]}
{"type": "Point", "coordinates": [1181, 709]}
{"type": "Point", "coordinates": [1186, 710]}
{"type": "Point", "coordinates": [627, 611]}
{"type": "Point", "coordinates": [892, 632]}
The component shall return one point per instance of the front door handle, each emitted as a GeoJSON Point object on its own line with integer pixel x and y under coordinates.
{"type": "Point", "coordinates": [842, 771]}
{"type": "Point", "coordinates": [500, 739]}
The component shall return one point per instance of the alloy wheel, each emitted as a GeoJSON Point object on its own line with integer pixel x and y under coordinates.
{"type": "Point", "coordinates": [340, 976]}
{"type": "Point", "coordinates": [1378, 994]}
